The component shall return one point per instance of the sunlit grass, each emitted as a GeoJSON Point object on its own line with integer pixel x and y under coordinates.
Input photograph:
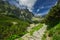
{"type": "Point", "coordinates": [55, 32]}
{"type": "Point", "coordinates": [35, 28]}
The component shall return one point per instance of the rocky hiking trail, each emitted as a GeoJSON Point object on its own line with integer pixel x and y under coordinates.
{"type": "Point", "coordinates": [37, 35]}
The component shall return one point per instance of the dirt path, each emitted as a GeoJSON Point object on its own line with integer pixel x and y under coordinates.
{"type": "Point", "coordinates": [37, 35]}
{"type": "Point", "coordinates": [31, 26]}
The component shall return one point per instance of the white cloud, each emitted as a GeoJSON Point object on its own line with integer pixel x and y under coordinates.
{"type": "Point", "coordinates": [55, 3]}
{"type": "Point", "coordinates": [41, 14]}
{"type": "Point", "coordinates": [38, 10]}
{"type": "Point", "coordinates": [28, 3]}
{"type": "Point", "coordinates": [42, 7]}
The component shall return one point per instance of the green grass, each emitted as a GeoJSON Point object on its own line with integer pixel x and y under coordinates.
{"type": "Point", "coordinates": [35, 28]}
{"type": "Point", "coordinates": [10, 31]}
{"type": "Point", "coordinates": [20, 39]}
{"type": "Point", "coordinates": [55, 32]}
{"type": "Point", "coordinates": [44, 36]}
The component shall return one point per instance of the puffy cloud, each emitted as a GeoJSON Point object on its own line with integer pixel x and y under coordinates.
{"type": "Point", "coordinates": [35, 6]}
{"type": "Point", "coordinates": [28, 3]}
{"type": "Point", "coordinates": [38, 10]}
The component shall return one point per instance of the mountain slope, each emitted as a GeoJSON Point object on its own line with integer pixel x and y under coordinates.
{"type": "Point", "coordinates": [13, 21]}
{"type": "Point", "coordinates": [11, 10]}
{"type": "Point", "coordinates": [53, 22]}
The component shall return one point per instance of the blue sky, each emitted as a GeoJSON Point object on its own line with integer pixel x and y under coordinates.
{"type": "Point", "coordinates": [40, 7]}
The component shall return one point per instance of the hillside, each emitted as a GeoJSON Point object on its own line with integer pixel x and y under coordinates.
{"type": "Point", "coordinates": [53, 17]}
{"type": "Point", "coordinates": [13, 21]}
{"type": "Point", "coordinates": [11, 26]}
{"type": "Point", "coordinates": [53, 22]}
{"type": "Point", "coordinates": [13, 11]}
{"type": "Point", "coordinates": [54, 33]}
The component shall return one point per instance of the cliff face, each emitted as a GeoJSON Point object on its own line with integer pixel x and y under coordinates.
{"type": "Point", "coordinates": [13, 11]}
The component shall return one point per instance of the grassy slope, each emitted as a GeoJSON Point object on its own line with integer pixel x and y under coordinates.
{"type": "Point", "coordinates": [35, 28]}
{"type": "Point", "coordinates": [10, 30]}
{"type": "Point", "coordinates": [53, 34]}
